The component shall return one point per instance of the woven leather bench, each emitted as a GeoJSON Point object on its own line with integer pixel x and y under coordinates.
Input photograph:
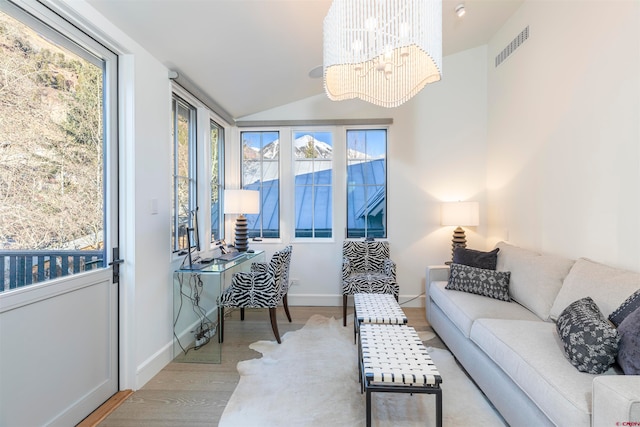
{"type": "Point", "coordinates": [376, 308]}
{"type": "Point", "coordinates": [394, 360]}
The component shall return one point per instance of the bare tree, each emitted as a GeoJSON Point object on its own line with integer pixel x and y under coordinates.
{"type": "Point", "coordinates": [51, 172]}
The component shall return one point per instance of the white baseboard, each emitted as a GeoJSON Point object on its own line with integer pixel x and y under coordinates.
{"type": "Point", "coordinates": [153, 365]}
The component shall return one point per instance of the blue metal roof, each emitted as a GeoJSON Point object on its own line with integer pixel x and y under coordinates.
{"type": "Point", "coordinates": [365, 188]}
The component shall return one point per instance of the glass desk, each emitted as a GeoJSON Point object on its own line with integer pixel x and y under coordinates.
{"type": "Point", "coordinates": [195, 315]}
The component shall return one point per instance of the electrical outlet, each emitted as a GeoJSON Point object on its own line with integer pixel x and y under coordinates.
{"type": "Point", "coordinates": [204, 336]}
{"type": "Point", "coordinates": [295, 282]}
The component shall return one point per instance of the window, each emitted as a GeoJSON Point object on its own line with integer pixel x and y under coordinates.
{"type": "Point", "coordinates": [216, 141]}
{"type": "Point", "coordinates": [313, 161]}
{"type": "Point", "coordinates": [183, 132]}
{"type": "Point", "coordinates": [366, 183]}
{"type": "Point", "coordinates": [58, 113]}
{"type": "Point", "coordinates": [261, 171]}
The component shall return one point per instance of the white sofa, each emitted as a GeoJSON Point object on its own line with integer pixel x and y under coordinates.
{"type": "Point", "coordinates": [512, 349]}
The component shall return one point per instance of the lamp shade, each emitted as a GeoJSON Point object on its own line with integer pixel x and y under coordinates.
{"type": "Point", "coordinates": [466, 214]}
{"type": "Point", "coordinates": [241, 202]}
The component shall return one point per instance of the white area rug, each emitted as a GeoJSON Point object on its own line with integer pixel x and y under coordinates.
{"type": "Point", "coordinates": [311, 379]}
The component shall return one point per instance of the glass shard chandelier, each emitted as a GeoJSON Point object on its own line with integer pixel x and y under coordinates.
{"type": "Point", "coordinates": [381, 51]}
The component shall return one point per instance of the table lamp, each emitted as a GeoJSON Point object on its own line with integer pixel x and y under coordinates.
{"type": "Point", "coordinates": [241, 202]}
{"type": "Point", "coordinates": [460, 214]}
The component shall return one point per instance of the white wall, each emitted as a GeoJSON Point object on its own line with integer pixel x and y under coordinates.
{"type": "Point", "coordinates": [563, 172]}
{"type": "Point", "coordinates": [436, 153]}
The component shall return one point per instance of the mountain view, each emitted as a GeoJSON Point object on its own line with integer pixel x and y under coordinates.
{"type": "Point", "coordinates": [305, 147]}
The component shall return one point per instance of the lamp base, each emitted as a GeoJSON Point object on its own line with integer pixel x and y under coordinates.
{"type": "Point", "coordinates": [459, 240]}
{"type": "Point", "coordinates": [242, 239]}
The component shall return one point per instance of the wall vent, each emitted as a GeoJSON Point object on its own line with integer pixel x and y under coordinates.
{"type": "Point", "coordinates": [511, 47]}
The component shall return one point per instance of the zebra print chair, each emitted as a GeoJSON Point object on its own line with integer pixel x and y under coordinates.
{"type": "Point", "coordinates": [263, 287]}
{"type": "Point", "coordinates": [367, 268]}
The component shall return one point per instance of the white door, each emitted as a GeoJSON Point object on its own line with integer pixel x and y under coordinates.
{"type": "Point", "coordinates": [58, 219]}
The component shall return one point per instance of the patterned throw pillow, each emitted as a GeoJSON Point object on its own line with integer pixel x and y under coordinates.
{"type": "Point", "coordinates": [590, 341]}
{"type": "Point", "coordinates": [478, 259]}
{"type": "Point", "coordinates": [488, 283]}
{"type": "Point", "coordinates": [629, 350]}
{"type": "Point", "coordinates": [629, 305]}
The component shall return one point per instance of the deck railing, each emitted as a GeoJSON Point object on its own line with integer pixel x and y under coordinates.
{"type": "Point", "coordinates": [23, 268]}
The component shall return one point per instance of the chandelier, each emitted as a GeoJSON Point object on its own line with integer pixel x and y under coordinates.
{"type": "Point", "coordinates": [381, 51]}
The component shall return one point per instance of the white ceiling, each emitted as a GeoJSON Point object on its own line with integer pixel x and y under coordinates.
{"type": "Point", "coordinates": [253, 55]}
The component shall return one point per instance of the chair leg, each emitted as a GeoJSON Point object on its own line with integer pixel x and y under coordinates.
{"type": "Point", "coordinates": [286, 307]}
{"type": "Point", "coordinates": [220, 324]}
{"type": "Point", "coordinates": [274, 323]}
{"type": "Point", "coordinates": [241, 313]}
{"type": "Point", "coordinates": [344, 309]}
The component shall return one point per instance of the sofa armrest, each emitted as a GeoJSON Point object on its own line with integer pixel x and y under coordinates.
{"type": "Point", "coordinates": [616, 400]}
{"type": "Point", "coordinates": [435, 273]}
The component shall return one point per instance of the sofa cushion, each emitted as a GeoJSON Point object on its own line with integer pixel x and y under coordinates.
{"type": "Point", "coordinates": [463, 308]}
{"type": "Point", "coordinates": [488, 283]}
{"type": "Point", "coordinates": [531, 354]}
{"type": "Point", "coordinates": [607, 286]}
{"type": "Point", "coordinates": [474, 258]}
{"type": "Point", "coordinates": [629, 348]}
{"type": "Point", "coordinates": [590, 342]}
{"type": "Point", "coordinates": [626, 308]}
{"type": "Point", "coordinates": [535, 279]}
{"type": "Point", "coordinates": [615, 398]}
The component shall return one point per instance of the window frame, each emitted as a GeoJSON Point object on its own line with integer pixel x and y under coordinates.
{"type": "Point", "coordinates": [386, 181]}
{"type": "Point", "coordinates": [203, 162]}
{"type": "Point", "coordinates": [191, 178]}
{"type": "Point", "coordinates": [47, 22]}
{"type": "Point", "coordinates": [260, 231]}
{"type": "Point", "coordinates": [333, 131]}
{"type": "Point", "coordinates": [219, 233]}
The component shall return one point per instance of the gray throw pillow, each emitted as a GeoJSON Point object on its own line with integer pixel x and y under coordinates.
{"type": "Point", "coordinates": [629, 349]}
{"type": "Point", "coordinates": [474, 258]}
{"type": "Point", "coordinates": [627, 307]}
{"type": "Point", "coordinates": [590, 341]}
{"type": "Point", "coordinates": [488, 283]}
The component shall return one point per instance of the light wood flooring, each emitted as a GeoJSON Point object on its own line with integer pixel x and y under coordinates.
{"type": "Point", "coordinates": [195, 394]}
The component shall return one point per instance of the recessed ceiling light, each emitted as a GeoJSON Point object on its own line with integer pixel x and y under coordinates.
{"type": "Point", "coordinates": [316, 72]}
{"type": "Point", "coordinates": [460, 10]}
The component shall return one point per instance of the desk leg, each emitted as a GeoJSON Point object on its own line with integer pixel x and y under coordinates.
{"type": "Point", "coordinates": [220, 324]}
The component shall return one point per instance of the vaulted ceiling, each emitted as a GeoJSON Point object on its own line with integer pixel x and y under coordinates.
{"type": "Point", "coordinates": [253, 55]}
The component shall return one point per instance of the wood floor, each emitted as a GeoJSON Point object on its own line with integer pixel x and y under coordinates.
{"type": "Point", "coordinates": [195, 394]}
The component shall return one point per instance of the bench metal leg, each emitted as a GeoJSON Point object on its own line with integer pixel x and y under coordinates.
{"type": "Point", "coordinates": [368, 408]}
{"type": "Point", "coordinates": [439, 408]}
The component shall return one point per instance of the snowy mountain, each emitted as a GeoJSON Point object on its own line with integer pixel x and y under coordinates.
{"type": "Point", "coordinates": [306, 143]}
{"type": "Point", "coordinates": [303, 147]}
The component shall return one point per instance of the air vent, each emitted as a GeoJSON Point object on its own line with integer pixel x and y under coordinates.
{"type": "Point", "coordinates": [511, 47]}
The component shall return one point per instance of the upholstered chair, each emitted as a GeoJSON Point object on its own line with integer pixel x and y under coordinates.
{"type": "Point", "coordinates": [367, 268]}
{"type": "Point", "coordinates": [265, 286]}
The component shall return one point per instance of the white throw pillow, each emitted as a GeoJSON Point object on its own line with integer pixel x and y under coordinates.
{"type": "Point", "coordinates": [607, 286]}
{"type": "Point", "coordinates": [535, 279]}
